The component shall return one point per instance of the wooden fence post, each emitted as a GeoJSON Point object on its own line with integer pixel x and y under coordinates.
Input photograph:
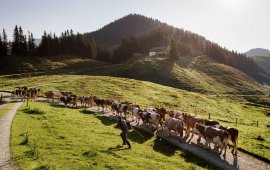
{"type": "Point", "coordinates": [257, 123]}
{"type": "Point", "coordinates": [27, 102]}
{"type": "Point", "coordinates": [209, 116]}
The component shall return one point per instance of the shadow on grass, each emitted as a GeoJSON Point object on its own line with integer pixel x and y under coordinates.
{"type": "Point", "coordinates": [63, 106]}
{"type": "Point", "coordinates": [87, 112]}
{"type": "Point", "coordinates": [139, 136]}
{"type": "Point", "coordinates": [164, 147]}
{"type": "Point", "coordinates": [106, 120]}
{"type": "Point", "coordinates": [112, 150]}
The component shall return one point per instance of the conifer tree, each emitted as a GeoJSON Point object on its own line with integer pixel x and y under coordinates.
{"type": "Point", "coordinates": [174, 52]}
{"type": "Point", "coordinates": [15, 42]}
{"type": "Point", "coordinates": [92, 48]}
{"type": "Point", "coordinates": [5, 43]}
{"type": "Point", "coordinates": [1, 46]}
{"type": "Point", "coordinates": [31, 47]}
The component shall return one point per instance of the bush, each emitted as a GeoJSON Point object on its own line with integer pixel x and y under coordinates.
{"type": "Point", "coordinates": [33, 111]}
{"type": "Point", "coordinates": [25, 140]}
{"type": "Point", "coordinates": [260, 138]}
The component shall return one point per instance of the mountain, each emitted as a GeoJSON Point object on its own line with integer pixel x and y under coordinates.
{"type": "Point", "coordinates": [257, 52]}
{"type": "Point", "coordinates": [135, 34]}
{"type": "Point", "coordinates": [130, 25]}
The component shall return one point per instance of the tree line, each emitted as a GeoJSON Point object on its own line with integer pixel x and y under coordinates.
{"type": "Point", "coordinates": [179, 41]}
{"type": "Point", "coordinates": [67, 43]}
{"type": "Point", "coordinates": [182, 43]}
{"type": "Point", "coordinates": [22, 45]}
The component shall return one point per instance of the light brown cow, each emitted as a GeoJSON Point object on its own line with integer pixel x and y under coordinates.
{"type": "Point", "coordinates": [53, 94]}
{"type": "Point", "coordinates": [213, 135]}
{"type": "Point", "coordinates": [177, 125]}
{"type": "Point", "coordinates": [189, 121]}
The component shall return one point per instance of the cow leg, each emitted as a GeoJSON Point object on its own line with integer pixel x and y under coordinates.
{"type": "Point", "coordinates": [199, 139]}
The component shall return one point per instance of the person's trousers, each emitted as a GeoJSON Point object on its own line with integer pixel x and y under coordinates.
{"type": "Point", "coordinates": [124, 138]}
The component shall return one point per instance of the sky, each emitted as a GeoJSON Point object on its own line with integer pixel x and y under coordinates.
{"type": "Point", "coordinates": [235, 24]}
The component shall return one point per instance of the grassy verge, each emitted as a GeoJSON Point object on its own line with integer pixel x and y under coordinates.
{"type": "Point", "coordinates": [225, 108]}
{"type": "Point", "coordinates": [63, 138]}
{"type": "Point", "coordinates": [5, 109]}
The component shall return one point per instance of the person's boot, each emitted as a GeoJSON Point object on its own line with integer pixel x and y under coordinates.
{"type": "Point", "coordinates": [129, 146]}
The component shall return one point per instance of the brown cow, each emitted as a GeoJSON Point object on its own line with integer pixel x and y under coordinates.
{"type": "Point", "coordinates": [189, 121]}
{"type": "Point", "coordinates": [177, 125]}
{"type": "Point", "coordinates": [52, 94]}
{"type": "Point", "coordinates": [100, 102]}
{"type": "Point", "coordinates": [69, 100]}
{"type": "Point", "coordinates": [162, 113]}
{"type": "Point", "coordinates": [233, 136]}
{"type": "Point", "coordinates": [175, 114]}
{"type": "Point", "coordinates": [108, 103]}
{"type": "Point", "coordinates": [213, 135]}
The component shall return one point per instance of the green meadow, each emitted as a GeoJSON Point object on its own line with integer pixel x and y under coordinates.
{"type": "Point", "coordinates": [64, 138]}
{"type": "Point", "coordinates": [224, 108]}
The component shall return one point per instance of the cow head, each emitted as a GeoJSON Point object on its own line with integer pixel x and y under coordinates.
{"type": "Point", "coordinates": [196, 128]}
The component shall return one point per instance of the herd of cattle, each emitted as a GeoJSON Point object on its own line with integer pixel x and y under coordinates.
{"type": "Point", "coordinates": [156, 118]}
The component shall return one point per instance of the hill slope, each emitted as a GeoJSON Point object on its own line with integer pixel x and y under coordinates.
{"type": "Point", "coordinates": [199, 73]}
{"type": "Point", "coordinates": [224, 108]}
{"type": "Point", "coordinates": [257, 52]}
{"type": "Point", "coordinates": [263, 62]}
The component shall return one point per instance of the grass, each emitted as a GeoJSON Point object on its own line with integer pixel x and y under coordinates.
{"type": "Point", "coordinates": [224, 108]}
{"type": "Point", "coordinates": [71, 139]}
{"type": "Point", "coordinates": [5, 109]}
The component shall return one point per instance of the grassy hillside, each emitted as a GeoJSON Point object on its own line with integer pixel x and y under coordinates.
{"type": "Point", "coordinates": [18, 64]}
{"type": "Point", "coordinates": [88, 141]}
{"type": "Point", "coordinates": [224, 108]}
{"type": "Point", "coordinates": [263, 62]}
{"type": "Point", "coordinates": [199, 74]}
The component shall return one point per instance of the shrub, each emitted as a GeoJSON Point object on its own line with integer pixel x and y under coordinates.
{"type": "Point", "coordinates": [260, 138]}
{"type": "Point", "coordinates": [33, 111]}
{"type": "Point", "coordinates": [25, 140]}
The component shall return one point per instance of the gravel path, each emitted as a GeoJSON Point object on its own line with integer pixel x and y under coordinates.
{"type": "Point", "coordinates": [5, 134]}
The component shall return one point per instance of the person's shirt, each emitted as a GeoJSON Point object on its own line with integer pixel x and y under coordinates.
{"type": "Point", "coordinates": [122, 125]}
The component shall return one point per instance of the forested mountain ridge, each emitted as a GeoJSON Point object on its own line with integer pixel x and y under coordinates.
{"type": "Point", "coordinates": [130, 25]}
{"type": "Point", "coordinates": [139, 34]}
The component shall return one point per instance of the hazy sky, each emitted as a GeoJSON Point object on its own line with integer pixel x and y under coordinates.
{"type": "Point", "coordinates": [235, 24]}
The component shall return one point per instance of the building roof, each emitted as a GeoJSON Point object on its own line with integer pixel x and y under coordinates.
{"type": "Point", "coordinates": [157, 49]}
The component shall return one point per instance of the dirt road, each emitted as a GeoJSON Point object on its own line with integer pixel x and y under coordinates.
{"type": "Point", "coordinates": [5, 131]}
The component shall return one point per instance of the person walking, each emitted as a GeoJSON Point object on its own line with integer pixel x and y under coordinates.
{"type": "Point", "coordinates": [124, 126]}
